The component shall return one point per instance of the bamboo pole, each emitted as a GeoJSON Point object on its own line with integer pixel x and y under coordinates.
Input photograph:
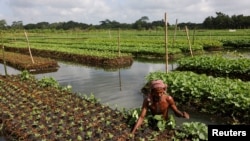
{"type": "Point", "coordinates": [29, 47]}
{"type": "Point", "coordinates": [166, 41]}
{"type": "Point", "coordinates": [4, 62]}
{"type": "Point", "coordinates": [190, 48]}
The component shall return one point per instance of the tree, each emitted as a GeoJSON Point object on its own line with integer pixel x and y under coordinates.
{"type": "Point", "coordinates": [208, 22]}
{"type": "Point", "coordinates": [17, 25]}
{"type": "Point", "coordinates": [3, 24]}
{"type": "Point", "coordinates": [43, 25]}
{"type": "Point", "coordinates": [141, 23]}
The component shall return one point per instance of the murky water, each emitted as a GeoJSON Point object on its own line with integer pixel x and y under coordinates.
{"type": "Point", "coordinates": [119, 88]}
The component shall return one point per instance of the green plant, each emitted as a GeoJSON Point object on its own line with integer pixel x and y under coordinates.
{"type": "Point", "coordinates": [163, 124]}
{"type": "Point", "coordinates": [132, 115]}
{"type": "Point", "coordinates": [48, 82]}
{"type": "Point", "coordinates": [91, 98]}
{"type": "Point", "coordinates": [150, 120]}
{"type": "Point", "coordinates": [89, 134]}
{"type": "Point", "coordinates": [25, 75]}
{"type": "Point", "coordinates": [197, 131]}
{"type": "Point", "coordinates": [67, 88]}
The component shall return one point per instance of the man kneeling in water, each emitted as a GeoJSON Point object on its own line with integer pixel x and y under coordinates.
{"type": "Point", "coordinates": [158, 102]}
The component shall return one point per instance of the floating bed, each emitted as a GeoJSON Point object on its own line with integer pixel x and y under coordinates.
{"type": "Point", "coordinates": [25, 62]}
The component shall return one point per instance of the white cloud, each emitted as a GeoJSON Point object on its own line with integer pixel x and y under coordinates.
{"type": "Point", "coordinates": [124, 11]}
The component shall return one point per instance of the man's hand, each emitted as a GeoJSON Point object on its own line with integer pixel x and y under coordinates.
{"type": "Point", "coordinates": [186, 115]}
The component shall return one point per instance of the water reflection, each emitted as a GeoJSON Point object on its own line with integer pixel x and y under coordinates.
{"type": "Point", "coordinates": [117, 88]}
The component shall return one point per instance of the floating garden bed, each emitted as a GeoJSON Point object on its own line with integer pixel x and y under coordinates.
{"type": "Point", "coordinates": [217, 65]}
{"type": "Point", "coordinates": [111, 62]}
{"type": "Point", "coordinates": [24, 62]}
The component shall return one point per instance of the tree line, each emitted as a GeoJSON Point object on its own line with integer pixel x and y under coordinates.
{"type": "Point", "coordinates": [221, 21]}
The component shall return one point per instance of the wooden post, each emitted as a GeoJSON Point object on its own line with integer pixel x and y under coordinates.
{"type": "Point", "coordinates": [190, 48]}
{"type": "Point", "coordinates": [119, 51]}
{"type": "Point", "coordinates": [29, 47]}
{"type": "Point", "coordinates": [4, 62]}
{"type": "Point", "coordinates": [166, 41]}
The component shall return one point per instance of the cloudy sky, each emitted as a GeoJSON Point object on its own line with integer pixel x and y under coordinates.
{"type": "Point", "coordinates": [123, 11]}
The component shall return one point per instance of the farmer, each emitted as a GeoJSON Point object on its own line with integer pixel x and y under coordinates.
{"type": "Point", "coordinates": [158, 102]}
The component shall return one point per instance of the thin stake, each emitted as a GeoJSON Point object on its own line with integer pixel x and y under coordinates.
{"type": "Point", "coordinates": [29, 47]}
{"type": "Point", "coordinates": [166, 41]}
{"type": "Point", "coordinates": [190, 48]}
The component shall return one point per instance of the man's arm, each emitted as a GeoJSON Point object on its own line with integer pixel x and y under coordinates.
{"type": "Point", "coordinates": [142, 115]}
{"type": "Point", "coordinates": [175, 109]}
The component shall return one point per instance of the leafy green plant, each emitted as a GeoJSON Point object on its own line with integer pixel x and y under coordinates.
{"type": "Point", "coordinates": [48, 82]}
{"type": "Point", "coordinates": [156, 121]}
{"type": "Point", "coordinates": [195, 130]}
{"type": "Point", "coordinates": [212, 44]}
{"type": "Point", "coordinates": [132, 115]}
{"type": "Point", "coordinates": [162, 124]}
{"type": "Point", "coordinates": [67, 88]}
{"type": "Point", "coordinates": [25, 75]}
{"type": "Point", "coordinates": [91, 98]}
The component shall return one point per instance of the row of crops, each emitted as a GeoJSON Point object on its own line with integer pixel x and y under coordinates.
{"type": "Point", "coordinates": [107, 43]}
{"type": "Point", "coordinates": [217, 65]}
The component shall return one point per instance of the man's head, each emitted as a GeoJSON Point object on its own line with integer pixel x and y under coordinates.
{"type": "Point", "coordinates": [158, 84]}
{"type": "Point", "coordinates": [158, 88]}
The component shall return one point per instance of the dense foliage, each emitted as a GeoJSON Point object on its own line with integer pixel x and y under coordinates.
{"type": "Point", "coordinates": [237, 43]}
{"type": "Point", "coordinates": [217, 65]}
{"type": "Point", "coordinates": [223, 21]}
{"type": "Point", "coordinates": [218, 96]}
